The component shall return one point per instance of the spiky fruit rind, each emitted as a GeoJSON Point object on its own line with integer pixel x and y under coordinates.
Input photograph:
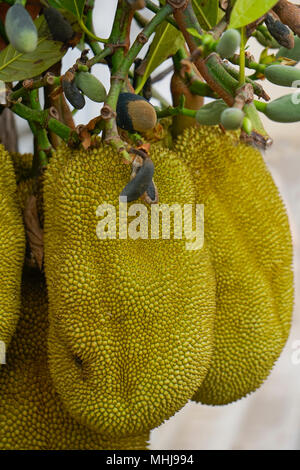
{"type": "Point", "coordinates": [20, 29]}
{"type": "Point", "coordinates": [12, 248]}
{"type": "Point", "coordinates": [247, 231]}
{"type": "Point", "coordinates": [131, 320]}
{"type": "Point", "coordinates": [32, 415]}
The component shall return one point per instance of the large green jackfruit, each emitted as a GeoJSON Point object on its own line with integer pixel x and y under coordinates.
{"type": "Point", "coordinates": [130, 337]}
{"type": "Point", "coordinates": [247, 231]}
{"type": "Point", "coordinates": [12, 248]}
{"type": "Point", "coordinates": [31, 413]}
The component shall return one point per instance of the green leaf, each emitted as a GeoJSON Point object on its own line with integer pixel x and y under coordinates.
{"type": "Point", "coordinates": [166, 42]}
{"type": "Point", "coordinates": [15, 66]}
{"type": "Point", "coordinates": [194, 33]}
{"type": "Point", "coordinates": [247, 11]}
{"type": "Point", "coordinates": [206, 12]}
{"type": "Point", "coordinates": [74, 6]}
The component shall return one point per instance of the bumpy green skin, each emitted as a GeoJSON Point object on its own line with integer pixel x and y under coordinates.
{"type": "Point", "coordinates": [12, 248]}
{"type": "Point", "coordinates": [228, 43]}
{"type": "Point", "coordinates": [247, 231]}
{"type": "Point", "coordinates": [131, 321]}
{"type": "Point", "coordinates": [90, 86]}
{"type": "Point", "coordinates": [283, 75]}
{"type": "Point", "coordinates": [291, 53]}
{"type": "Point", "coordinates": [32, 416]}
{"type": "Point", "coordinates": [20, 29]}
{"type": "Point", "coordinates": [210, 114]}
{"type": "Point", "coordinates": [284, 109]}
{"type": "Point", "coordinates": [232, 118]}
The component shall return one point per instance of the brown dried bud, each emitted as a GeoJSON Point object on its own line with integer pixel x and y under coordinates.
{"type": "Point", "coordinates": [289, 14]}
{"type": "Point", "coordinates": [279, 31]}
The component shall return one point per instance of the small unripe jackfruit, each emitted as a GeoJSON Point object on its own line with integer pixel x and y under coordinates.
{"type": "Point", "coordinates": [232, 118]}
{"type": "Point", "coordinates": [90, 86]}
{"type": "Point", "coordinates": [210, 114]}
{"type": "Point", "coordinates": [135, 113]}
{"type": "Point", "coordinates": [284, 109]}
{"type": "Point", "coordinates": [247, 232]}
{"type": "Point", "coordinates": [131, 319]}
{"type": "Point", "coordinates": [283, 75]}
{"type": "Point", "coordinates": [20, 29]}
{"type": "Point", "coordinates": [12, 248]}
{"type": "Point", "coordinates": [228, 43]}
{"type": "Point", "coordinates": [32, 415]}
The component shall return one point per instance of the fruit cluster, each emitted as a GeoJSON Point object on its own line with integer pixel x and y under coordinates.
{"type": "Point", "coordinates": [108, 335]}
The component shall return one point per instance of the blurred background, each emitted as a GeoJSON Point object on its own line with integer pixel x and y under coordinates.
{"type": "Point", "coordinates": [270, 417]}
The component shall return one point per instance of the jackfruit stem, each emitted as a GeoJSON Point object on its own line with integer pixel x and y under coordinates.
{"type": "Point", "coordinates": [43, 144]}
{"type": "Point", "coordinates": [120, 69]}
{"type": "Point", "coordinates": [174, 111]}
{"type": "Point", "coordinates": [242, 77]}
{"type": "Point", "coordinates": [155, 9]}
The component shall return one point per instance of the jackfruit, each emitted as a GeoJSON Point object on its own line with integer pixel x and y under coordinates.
{"type": "Point", "coordinates": [210, 113]}
{"type": "Point", "coordinates": [247, 231]}
{"type": "Point", "coordinates": [232, 118]}
{"type": "Point", "coordinates": [131, 320]}
{"type": "Point", "coordinates": [286, 108]}
{"type": "Point", "coordinates": [32, 416]}
{"type": "Point", "coordinates": [90, 86]}
{"type": "Point", "coordinates": [229, 42]}
{"type": "Point", "coordinates": [22, 165]}
{"type": "Point", "coordinates": [20, 29]}
{"type": "Point", "coordinates": [12, 248]}
{"type": "Point", "coordinates": [283, 75]}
